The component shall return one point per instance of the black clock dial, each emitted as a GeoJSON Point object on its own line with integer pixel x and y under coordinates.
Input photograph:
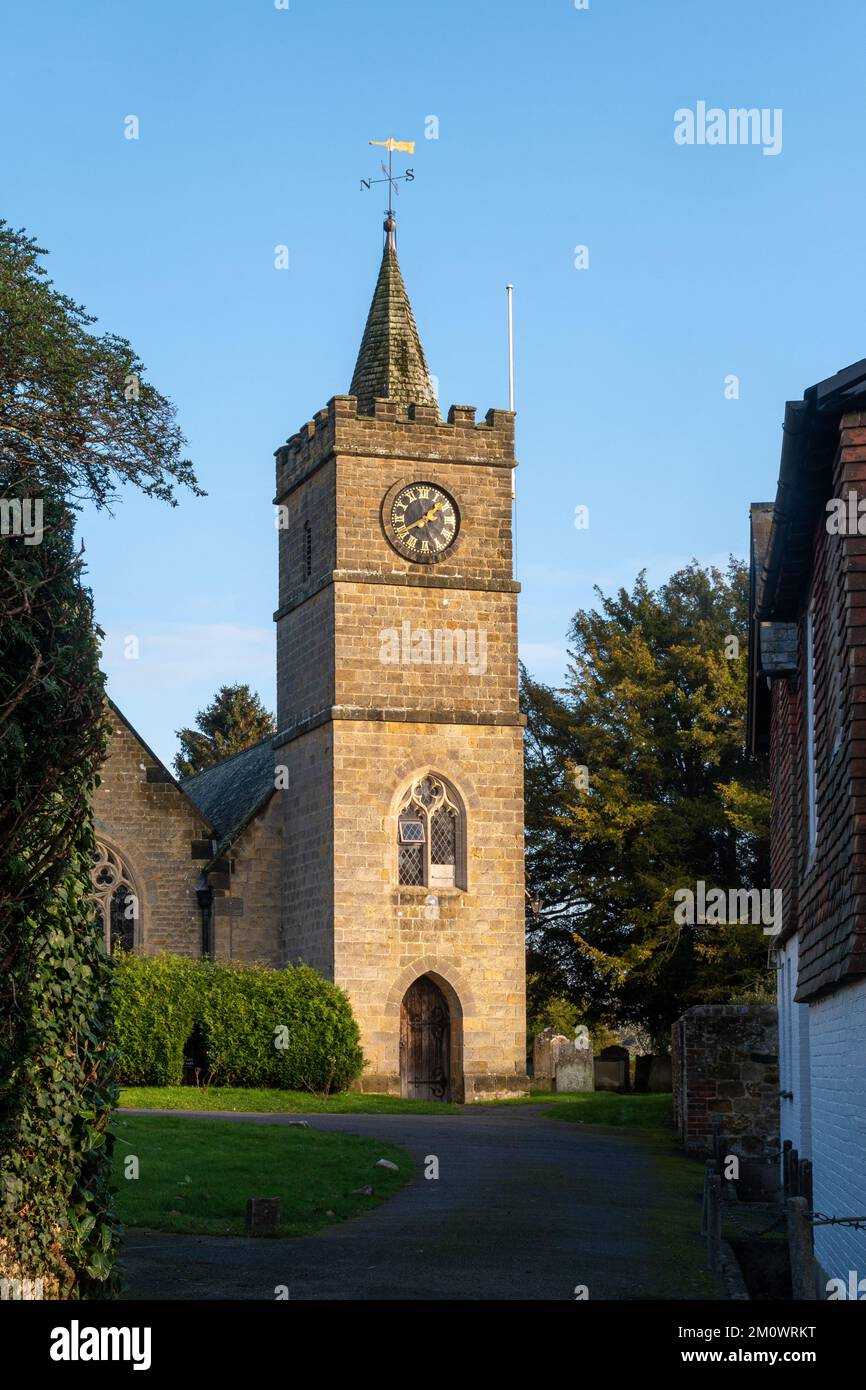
{"type": "Point", "coordinates": [423, 523]}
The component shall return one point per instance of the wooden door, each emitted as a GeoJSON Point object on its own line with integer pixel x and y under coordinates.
{"type": "Point", "coordinates": [425, 1042]}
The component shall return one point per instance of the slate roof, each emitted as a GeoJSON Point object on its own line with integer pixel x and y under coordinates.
{"type": "Point", "coordinates": [231, 792]}
{"type": "Point", "coordinates": [391, 363]}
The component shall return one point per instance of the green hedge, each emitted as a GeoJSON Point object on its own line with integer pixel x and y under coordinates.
{"type": "Point", "coordinates": [289, 1028]}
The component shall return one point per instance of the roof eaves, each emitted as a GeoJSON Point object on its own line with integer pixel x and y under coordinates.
{"type": "Point", "coordinates": [233, 835]}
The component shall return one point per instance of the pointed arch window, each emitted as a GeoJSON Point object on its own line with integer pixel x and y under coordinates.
{"type": "Point", "coordinates": [431, 835]}
{"type": "Point", "coordinates": [117, 899]}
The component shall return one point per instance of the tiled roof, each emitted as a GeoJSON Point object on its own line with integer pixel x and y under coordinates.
{"type": "Point", "coordinates": [391, 363]}
{"type": "Point", "coordinates": [231, 792]}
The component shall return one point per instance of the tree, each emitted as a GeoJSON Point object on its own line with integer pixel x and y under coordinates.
{"type": "Point", "coordinates": [77, 405]}
{"type": "Point", "coordinates": [77, 420]}
{"type": "Point", "coordinates": [638, 783]}
{"type": "Point", "coordinates": [234, 720]}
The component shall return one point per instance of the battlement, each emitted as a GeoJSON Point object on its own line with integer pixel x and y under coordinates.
{"type": "Point", "coordinates": [414, 433]}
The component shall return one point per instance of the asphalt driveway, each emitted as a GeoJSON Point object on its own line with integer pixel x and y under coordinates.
{"type": "Point", "coordinates": [524, 1207]}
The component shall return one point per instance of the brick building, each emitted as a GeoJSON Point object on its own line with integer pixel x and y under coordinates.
{"type": "Point", "coordinates": [379, 836]}
{"type": "Point", "coordinates": [807, 706]}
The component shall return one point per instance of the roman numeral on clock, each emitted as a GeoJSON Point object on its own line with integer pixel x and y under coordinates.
{"type": "Point", "coordinates": [422, 523]}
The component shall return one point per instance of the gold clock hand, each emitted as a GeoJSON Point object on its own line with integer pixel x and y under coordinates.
{"type": "Point", "coordinates": [428, 516]}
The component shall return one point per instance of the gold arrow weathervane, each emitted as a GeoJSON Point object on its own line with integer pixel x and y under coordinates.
{"type": "Point", "coordinates": [392, 179]}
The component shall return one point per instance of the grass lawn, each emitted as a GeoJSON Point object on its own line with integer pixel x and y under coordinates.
{"type": "Point", "coordinates": [604, 1108]}
{"type": "Point", "coordinates": [265, 1101]}
{"type": "Point", "coordinates": [195, 1175]}
{"type": "Point", "coordinates": [675, 1223]}
{"type": "Point", "coordinates": [591, 1108]}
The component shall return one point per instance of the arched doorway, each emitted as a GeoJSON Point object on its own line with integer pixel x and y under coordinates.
{"type": "Point", "coordinates": [425, 1042]}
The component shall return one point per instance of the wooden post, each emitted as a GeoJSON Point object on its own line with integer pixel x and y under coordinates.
{"type": "Point", "coordinates": [786, 1166]}
{"type": "Point", "coordinates": [714, 1222]}
{"type": "Point", "coordinates": [800, 1250]}
{"type": "Point", "coordinates": [709, 1170]}
{"type": "Point", "coordinates": [794, 1173]}
{"type": "Point", "coordinates": [806, 1181]}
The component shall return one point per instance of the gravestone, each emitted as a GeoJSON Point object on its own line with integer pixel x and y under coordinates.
{"type": "Point", "coordinates": [611, 1069]}
{"type": "Point", "coordinates": [545, 1051]}
{"type": "Point", "coordinates": [661, 1073]}
{"type": "Point", "coordinates": [574, 1069]}
{"type": "Point", "coordinates": [652, 1072]}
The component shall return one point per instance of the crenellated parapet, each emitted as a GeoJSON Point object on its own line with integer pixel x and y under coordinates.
{"type": "Point", "coordinates": [417, 432]}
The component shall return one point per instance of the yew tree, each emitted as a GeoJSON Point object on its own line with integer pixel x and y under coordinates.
{"type": "Point", "coordinates": [78, 420]}
{"type": "Point", "coordinates": [638, 783]}
{"type": "Point", "coordinates": [234, 720]}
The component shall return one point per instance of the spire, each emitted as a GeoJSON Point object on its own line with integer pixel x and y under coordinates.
{"type": "Point", "coordinates": [391, 362]}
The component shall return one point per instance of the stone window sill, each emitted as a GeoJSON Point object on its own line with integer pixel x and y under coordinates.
{"type": "Point", "coordinates": [421, 894]}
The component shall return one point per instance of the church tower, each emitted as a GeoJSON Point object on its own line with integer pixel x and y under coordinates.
{"type": "Point", "coordinates": [398, 717]}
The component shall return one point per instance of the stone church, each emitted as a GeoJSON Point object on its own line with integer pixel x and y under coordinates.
{"type": "Point", "coordinates": [378, 836]}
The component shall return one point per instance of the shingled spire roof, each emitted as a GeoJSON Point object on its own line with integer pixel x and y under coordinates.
{"type": "Point", "coordinates": [391, 363]}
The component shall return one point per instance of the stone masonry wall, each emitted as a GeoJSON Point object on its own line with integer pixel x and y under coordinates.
{"type": "Point", "coordinates": [381, 726]}
{"type": "Point", "coordinates": [247, 920]}
{"type": "Point", "coordinates": [153, 825]}
{"type": "Point", "coordinates": [481, 554]}
{"type": "Point", "coordinates": [312, 502]}
{"type": "Point", "coordinates": [474, 671]}
{"type": "Point", "coordinates": [305, 658]}
{"type": "Point", "coordinates": [726, 1063]}
{"type": "Point", "coordinates": [385, 936]}
{"type": "Point", "coordinates": [339, 429]}
{"type": "Point", "coordinates": [306, 807]}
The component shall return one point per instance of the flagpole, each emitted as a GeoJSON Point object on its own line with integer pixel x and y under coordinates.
{"type": "Point", "coordinates": [509, 290]}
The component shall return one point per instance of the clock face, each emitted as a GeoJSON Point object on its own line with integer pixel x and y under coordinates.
{"type": "Point", "coordinates": [422, 523]}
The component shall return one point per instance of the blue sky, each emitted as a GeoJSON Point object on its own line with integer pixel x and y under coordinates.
{"type": "Point", "coordinates": [555, 130]}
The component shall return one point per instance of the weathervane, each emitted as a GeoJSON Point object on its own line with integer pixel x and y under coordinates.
{"type": "Point", "coordinates": [392, 179]}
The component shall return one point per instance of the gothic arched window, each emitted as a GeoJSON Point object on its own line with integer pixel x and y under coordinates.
{"type": "Point", "coordinates": [431, 836]}
{"type": "Point", "coordinates": [117, 899]}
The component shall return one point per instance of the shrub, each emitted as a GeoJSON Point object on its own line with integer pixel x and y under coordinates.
{"type": "Point", "coordinates": [289, 1028]}
{"type": "Point", "coordinates": [157, 1001]}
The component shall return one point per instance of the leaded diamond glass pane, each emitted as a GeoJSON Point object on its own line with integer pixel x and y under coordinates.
{"type": "Point", "coordinates": [443, 837]}
{"type": "Point", "coordinates": [412, 865]}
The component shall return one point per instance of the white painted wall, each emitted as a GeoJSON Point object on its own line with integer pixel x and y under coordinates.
{"type": "Point", "coordinates": [794, 1068]}
{"type": "Point", "coordinates": [837, 1031]}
